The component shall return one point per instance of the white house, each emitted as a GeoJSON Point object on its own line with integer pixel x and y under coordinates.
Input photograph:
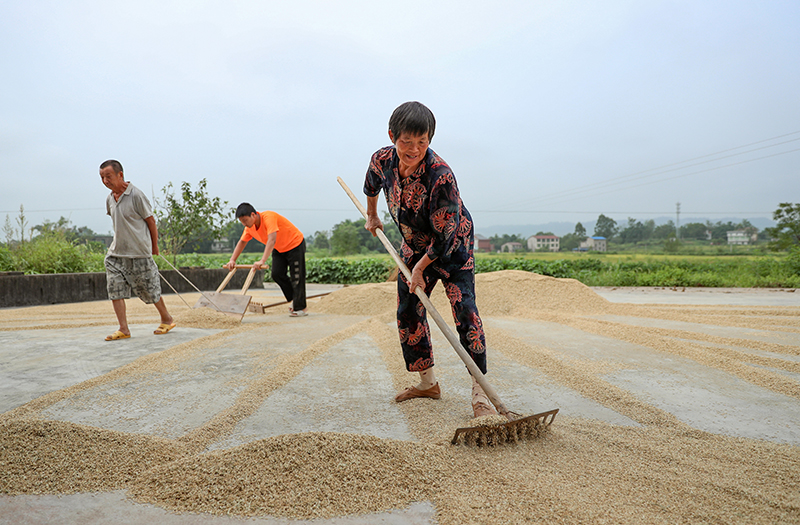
{"type": "Point", "coordinates": [548, 242]}
{"type": "Point", "coordinates": [221, 245]}
{"type": "Point", "coordinates": [741, 237]}
{"type": "Point", "coordinates": [595, 244]}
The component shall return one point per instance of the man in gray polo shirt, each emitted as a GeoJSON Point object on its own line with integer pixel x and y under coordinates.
{"type": "Point", "coordinates": [129, 261]}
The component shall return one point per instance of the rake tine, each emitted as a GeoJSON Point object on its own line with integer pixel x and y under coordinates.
{"type": "Point", "coordinates": [529, 426]}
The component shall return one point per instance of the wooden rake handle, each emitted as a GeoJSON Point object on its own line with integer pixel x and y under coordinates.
{"type": "Point", "coordinates": [247, 282]}
{"type": "Point", "coordinates": [440, 322]}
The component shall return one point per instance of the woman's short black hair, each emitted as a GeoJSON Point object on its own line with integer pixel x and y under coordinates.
{"type": "Point", "coordinates": [244, 210]}
{"type": "Point", "coordinates": [413, 118]}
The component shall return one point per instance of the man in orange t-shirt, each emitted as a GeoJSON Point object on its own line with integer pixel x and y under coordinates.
{"type": "Point", "coordinates": [285, 242]}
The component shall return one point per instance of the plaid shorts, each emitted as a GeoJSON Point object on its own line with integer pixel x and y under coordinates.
{"type": "Point", "coordinates": [140, 275]}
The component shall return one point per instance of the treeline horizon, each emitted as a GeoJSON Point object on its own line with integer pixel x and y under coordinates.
{"type": "Point", "coordinates": [349, 237]}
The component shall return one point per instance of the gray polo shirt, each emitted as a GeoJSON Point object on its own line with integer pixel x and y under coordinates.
{"type": "Point", "coordinates": [131, 235]}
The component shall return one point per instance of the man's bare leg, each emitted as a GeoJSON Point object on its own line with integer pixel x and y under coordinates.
{"type": "Point", "coordinates": [121, 313]}
{"type": "Point", "coordinates": [166, 318]}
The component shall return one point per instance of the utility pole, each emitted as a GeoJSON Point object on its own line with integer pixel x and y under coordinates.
{"type": "Point", "coordinates": [678, 220]}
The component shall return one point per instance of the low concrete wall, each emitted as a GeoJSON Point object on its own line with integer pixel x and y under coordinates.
{"type": "Point", "coordinates": [17, 289]}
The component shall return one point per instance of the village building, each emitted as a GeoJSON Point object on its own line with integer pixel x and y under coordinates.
{"type": "Point", "coordinates": [544, 242]}
{"type": "Point", "coordinates": [511, 247]}
{"type": "Point", "coordinates": [741, 237]}
{"type": "Point", "coordinates": [594, 244]}
{"type": "Point", "coordinates": [482, 244]}
{"type": "Point", "coordinates": [221, 245]}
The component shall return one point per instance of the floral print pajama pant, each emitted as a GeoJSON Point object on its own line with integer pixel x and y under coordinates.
{"type": "Point", "coordinates": [412, 323]}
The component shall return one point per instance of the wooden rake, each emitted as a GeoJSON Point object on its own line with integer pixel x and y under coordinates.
{"type": "Point", "coordinates": [234, 305]}
{"type": "Point", "coordinates": [517, 427]}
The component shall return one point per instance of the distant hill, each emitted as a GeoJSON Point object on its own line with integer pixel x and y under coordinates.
{"type": "Point", "coordinates": [526, 230]}
{"type": "Point", "coordinates": [562, 228]}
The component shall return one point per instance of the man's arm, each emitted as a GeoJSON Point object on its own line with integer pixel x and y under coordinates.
{"type": "Point", "coordinates": [373, 222]}
{"type": "Point", "coordinates": [151, 225]}
{"type": "Point", "coordinates": [267, 250]}
{"type": "Point", "coordinates": [237, 251]}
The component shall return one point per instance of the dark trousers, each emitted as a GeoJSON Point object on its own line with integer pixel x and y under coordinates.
{"type": "Point", "coordinates": [412, 323]}
{"type": "Point", "coordinates": [289, 271]}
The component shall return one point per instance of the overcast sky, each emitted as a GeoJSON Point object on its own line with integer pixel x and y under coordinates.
{"type": "Point", "coordinates": [546, 110]}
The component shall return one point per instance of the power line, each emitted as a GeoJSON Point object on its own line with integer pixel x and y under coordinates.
{"type": "Point", "coordinates": [661, 170]}
{"type": "Point", "coordinates": [43, 211]}
{"type": "Point", "coordinates": [679, 176]}
{"type": "Point", "coordinates": [706, 170]}
{"type": "Point", "coordinates": [607, 212]}
{"type": "Point", "coordinates": [629, 178]}
{"type": "Point", "coordinates": [101, 208]}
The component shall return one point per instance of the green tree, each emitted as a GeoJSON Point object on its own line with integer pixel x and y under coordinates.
{"type": "Point", "coordinates": [605, 227]}
{"type": "Point", "coordinates": [672, 244]}
{"type": "Point", "coordinates": [61, 225]}
{"type": "Point", "coordinates": [73, 234]}
{"type": "Point", "coordinates": [719, 230]}
{"type": "Point", "coordinates": [345, 238]}
{"type": "Point", "coordinates": [321, 240]}
{"type": "Point", "coordinates": [694, 230]}
{"type": "Point", "coordinates": [188, 217]}
{"type": "Point", "coordinates": [633, 232]}
{"type": "Point", "coordinates": [786, 233]}
{"type": "Point", "coordinates": [570, 241]}
{"type": "Point", "coordinates": [664, 231]}
{"type": "Point", "coordinates": [649, 228]}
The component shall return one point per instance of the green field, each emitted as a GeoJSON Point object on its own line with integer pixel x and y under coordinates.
{"type": "Point", "coordinates": [752, 268]}
{"type": "Point", "coordinates": [741, 271]}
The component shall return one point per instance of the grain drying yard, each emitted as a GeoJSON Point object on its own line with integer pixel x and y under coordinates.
{"type": "Point", "coordinates": [676, 406]}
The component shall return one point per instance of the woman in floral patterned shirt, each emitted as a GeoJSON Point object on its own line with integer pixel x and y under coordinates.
{"type": "Point", "coordinates": [438, 236]}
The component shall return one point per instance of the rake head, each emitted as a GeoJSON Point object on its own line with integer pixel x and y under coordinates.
{"type": "Point", "coordinates": [494, 433]}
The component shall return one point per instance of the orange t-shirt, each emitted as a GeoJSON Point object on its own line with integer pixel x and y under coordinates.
{"type": "Point", "coordinates": [288, 236]}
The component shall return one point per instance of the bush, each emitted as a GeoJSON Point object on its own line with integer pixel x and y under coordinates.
{"type": "Point", "coordinates": [347, 271]}
{"type": "Point", "coordinates": [6, 260]}
{"type": "Point", "coordinates": [51, 253]}
{"type": "Point", "coordinates": [793, 261]}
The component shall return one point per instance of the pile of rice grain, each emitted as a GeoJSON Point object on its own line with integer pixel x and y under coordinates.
{"type": "Point", "coordinates": [518, 293]}
{"type": "Point", "coordinates": [508, 292]}
{"type": "Point", "coordinates": [362, 299]}
{"type": "Point", "coordinates": [45, 457]}
{"type": "Point", "coordinates": [206, 318]}
{"type": "Point", "coordinates": [311, 475]}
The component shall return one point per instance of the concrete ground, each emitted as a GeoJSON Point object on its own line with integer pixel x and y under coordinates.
{"type": "Point", "coordinates": [171, 403]}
